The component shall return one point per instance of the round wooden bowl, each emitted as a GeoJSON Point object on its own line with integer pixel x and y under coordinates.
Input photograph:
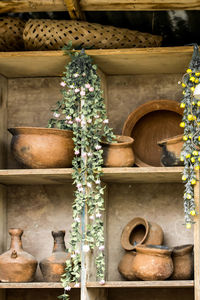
{"type": "Point", "coordinates": [149, 123]}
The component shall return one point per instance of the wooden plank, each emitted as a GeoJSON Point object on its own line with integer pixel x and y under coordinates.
{"type": "Point", "coordinates": [3, 120]}
{"type": "Point", "coordinates": [144, 284]}
{"type": "Point", "coordinates": [197, 242]}
{"type": "Point", "coordinates": [74, 9]}
{"type": "Point", "coordinates": [3, 228]}
{"type": "Point", "coordinates": [166, 60]}
{"type": "Point", "coordinates": [92, 5]}
{"type": "Point", "coordinates": [33, 285]}
{"type": "Point", "coordinates": [61, 176]}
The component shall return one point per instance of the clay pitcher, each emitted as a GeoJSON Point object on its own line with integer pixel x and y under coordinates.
{"type": "Point", "coordinates": [183, 261]}
{"type": "Point", "coordinates": [16, 265]}
{"type": "Point", "coordinates": [53, 266]}
{"type": "Point", "coordinates": [125, 266]}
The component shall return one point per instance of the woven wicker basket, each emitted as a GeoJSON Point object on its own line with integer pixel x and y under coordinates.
{"type": "Point", "coordinates": [53, 35]}
{"type": "Point", "coordinates": [11, 34]}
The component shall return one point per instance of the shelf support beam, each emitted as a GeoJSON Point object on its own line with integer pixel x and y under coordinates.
{"type": "Point", "coordinates": [74, 10]}
{"type": "Point", "coordinates": [197, 242]}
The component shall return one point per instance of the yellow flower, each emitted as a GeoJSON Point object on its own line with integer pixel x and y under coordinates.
{"type": "Point", "coordinates": [185, 138]}
{"type": "Point", "coordinates": [189, 71]}
{"type": "Point", "coordinates": [183, 85]}
{"type": "Point", "coordinates": [182, 105]}
{"type": "Point", "coordinates": [193, 103]}
{"type": "Point", "coordinates": [181, 158]}
{"type": "Point", "coordinates": [184, 178]}
{"type": "Point", "coordinates": [182, 124]}
{"type": "Point", "coordinates": [196, 168]}
{"type": "Point", "coordinates": [196, 80]}
{"type": "Point", "coordinates": [192, 78]}
{"type": "Point", "coordinates": [195, 152]}
{"type": "Point", "coordinates": [198, 158]}
{"type": "Point", "coordinates": [190, 117]}
{"type": "Point", "coordinates": [188, 226]}
{"type": "Point", "coordinates": [189, 196]}
{"type": "Point", "coordinates": [198, 103]}
{"type": "Point", "coordinates": [192, 159]}
{"type": "Point", "coordinates": [193, 213]}
{"type": "Point", "coordinates": [192, 89]}
{"type": "Point", "coordinates": [197, 74]}
{"type": "Point", "coordinates": [199, 138]}
{"type": "Point", "coordinates": [188, 155]}
{"type": "Point", "coordinates": [183, 92]}
{"type": "Point", "coordinates": [193, 181]}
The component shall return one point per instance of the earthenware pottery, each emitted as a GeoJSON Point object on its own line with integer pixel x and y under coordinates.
{"type": "Point", "coordinates": [153, 262]}
{"type": "Point", "coordinates": [53, 266]}
{"type": "Point", "coordinates": [42, 147]}
{"type": "Point", "coordinates": [125, 266]}
{"type": "Point", "coordinates": [149, 123]}
{"type": "Point", "coordinates": [183, 261]}
{"type": "Point", "coordinates": [140, 231]}
{"type": "Point", "coordinates": [119, 153]}
{"type": "Point", "coordinates": [16, 265]}
{"type": "Point", "coordinates": [171, 151]}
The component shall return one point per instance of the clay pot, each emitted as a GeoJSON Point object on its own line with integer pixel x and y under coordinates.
{"type": "Point", "coordinates": [54, 266]}
{"type": "Point", "coordinates": [153, 262]}
{"type": "Point", "coordinates": [42, 147]}
{"type": "Point", "coordinates": [16, 265]}
{"type": "Point", "coordinates": [140, 231]}
{"type": "Point", "coordinates": [119, 153]}
{"type": "Point", "coordinates": [125, 266]}
{"type": "Point", "coordinates": [171, 150]}
{"type": "Point", "coordinates": [183, 261]}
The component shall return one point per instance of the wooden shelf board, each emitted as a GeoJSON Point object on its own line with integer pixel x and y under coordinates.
{"type": "Point", "coordinates": [144, 284]}
{"type": "Point", "coordinates": [110, 61]}
{"type": "Point", "coordinates": [31, 285]}
{"type": "Point", "coordinates": [92, 5]}
{"type": "Point", "coordinates": [61, 176]}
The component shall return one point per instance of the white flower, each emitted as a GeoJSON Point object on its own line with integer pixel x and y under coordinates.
{"type": "Point", "coordinates": [77, 285]}
{"type": "Point", "coordinates": [83, 123]}
{"type": "Point", "coordinates": [101, 248]}
{"type": "Point", "coordinates": [76, 152]}
{"type": "Point", "coordinates": [102, 281]}
{"type": "Point", "coordinates": [97, 147]}
{"type": "Point", "coordinates": [87, 85]}
{"type": "Point", "coordinates": [73, 255]}
{"type": "Point", "coordinates": [82, 93]}
{"type": "Point", "coordinates": [96, 116]}
{"type": "Point", "coordinates": [179, 82]}
{"type": "Point", "coordinates": [70, 122]}
{"type": "Point", "coordinates": [76, 90]}
{"type": "Point", "coordinates": [98, 215]}
{"type": "Point", "coordinates": [106, 121]}
{"type": "Point", "coordinates": [76, 75]}
{"type": "Point", "coordinates": [86, 248]}
{"type": "Point", "coordinates": [91, 89]}
{"type": "Point", "coordinates": [89, 184]}
{"type": "Point", "coordinates": [77, 251]}
{"type": "Point", "coordinates": [67, 288]}
{"type": "Point", "coordinates": [56, 115]}
{"type": "Point", "coordinates": [89, 154]}
{"type": "Point", "coordinates": [84, 154]}
{"type": "Point", "coordinates": [91, 217]}
{"type": "Point", "coordinates": [71, 86]}
{"type": "Point", "coordinates": [68, 117]}
{"type": "Point", "coordinates": [77, 219]}
{"type": "Point", "coordinates": [63, 83]}
{"type": "Point", "coordinates": [89, 121]}
{"type": "Point", "coordinates": [79, 185]}
{"type": "Point", "coordinates": [78, 120]}
{"type": "Point", "coordinates": [84, 74]}
{"type": "Point", "coordinates": [80, 189]}
{"type": "Point", "coordinates": [98, 181]}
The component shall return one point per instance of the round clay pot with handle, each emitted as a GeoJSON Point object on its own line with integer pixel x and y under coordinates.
{"type": "Point", "coordinates": [153, 262]}
{"type": "Point", "coordinates": [125, 266]}
{"type": "Point", "coordinates": [140, 231]}
{"type": "Point", "coordinates": [16, 265]}
{"type": "Point", "coordinates": [119, 153]}
{"type": "Point", "coordinates": [183, 261]}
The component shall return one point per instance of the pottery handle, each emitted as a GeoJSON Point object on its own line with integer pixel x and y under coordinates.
{"type": "Point", "coordinates": [14, 254]}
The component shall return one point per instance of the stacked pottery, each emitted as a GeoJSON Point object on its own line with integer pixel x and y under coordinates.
{"type": "Point", "coordinates": [53, 266]}
{"type": "Point", "coordinates": [183, 261]}
{"type": "Point", "coordinates": [138, 231]}
{"type": "Point", "coordinates": [16, 265]}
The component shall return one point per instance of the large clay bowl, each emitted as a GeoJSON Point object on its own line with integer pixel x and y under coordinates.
{"type": "Point", "coordinates": [149, 123]}
{"type": "Point", "coordinates": [183, 261]}
{"type": "Point", "coordinates": [119, 153]}
{"type": "Point", "coordinates": [42, 147]}
{"type": "Point", "coordinates": [140, 231]}
{"type": "Point", "coordinates": [153, 262]}
{"type": "Point", "coordinates": [125, 266]}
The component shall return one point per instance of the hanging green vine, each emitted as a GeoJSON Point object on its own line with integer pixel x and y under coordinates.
{"type": "Point", "coordinates": [190, 154]}
{"type": "Point", "coordinates": [82, 110]}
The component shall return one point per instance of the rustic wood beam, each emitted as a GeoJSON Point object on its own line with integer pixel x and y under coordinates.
{"type": "Point", "coordinates": [74, 10]}
{"type": "Point", "coordinates": [92, 5]}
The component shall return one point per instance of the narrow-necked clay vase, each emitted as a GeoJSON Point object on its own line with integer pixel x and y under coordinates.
{"type": "Point", "coordinates": [140, 231]}
{"type": "Point", "coordinates": [119, 153]}
{"type": "Point", "coordinates": [53, 266]}
{"type": "Point", "coordinates": [125, 266]}
{"type": "Point", "coordinates": [16, 265]}
{"type": "Point", "coordinates": [183, 261]}
{"type": "Point", "coordinates": [153, 262]}
{"type": "Point", "coordinates": [36, 147]}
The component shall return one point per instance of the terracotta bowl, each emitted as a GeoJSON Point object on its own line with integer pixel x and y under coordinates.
{"type": "Point", "coordinates": [183, 261]}
{"type": "Point", "coordinates": [119, 153]}
{"type": "Point", "coordinates": [36, 147]}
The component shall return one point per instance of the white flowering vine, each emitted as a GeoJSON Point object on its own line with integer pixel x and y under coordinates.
{"type": "Point", "coordinates": [82, 110]}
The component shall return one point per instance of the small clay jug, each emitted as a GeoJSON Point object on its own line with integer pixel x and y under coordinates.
{"type": "Point", "coordinates": [53, 266]}
{"type": "Point", "coordinates": [140, 231]}
{"type": "Point", "coordinates": [16, 265]}
{"type": "Point", "coordinates": [119, 153]}
{"type": "Point", "coordinates": [183, 261]}
{"type": "Point", "coordinates": [125, 266]}
{"type": "Point", "coordinates": [153, 262]}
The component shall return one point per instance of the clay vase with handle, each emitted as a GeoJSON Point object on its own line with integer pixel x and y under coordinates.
{"type": "Point", "coordinates": [53, 266]}
{"type": "Point", "coordinates": [16, 265]}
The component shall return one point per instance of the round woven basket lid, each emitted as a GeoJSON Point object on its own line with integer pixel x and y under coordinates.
{"type": "Point", "coordinates": [149, 123]}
